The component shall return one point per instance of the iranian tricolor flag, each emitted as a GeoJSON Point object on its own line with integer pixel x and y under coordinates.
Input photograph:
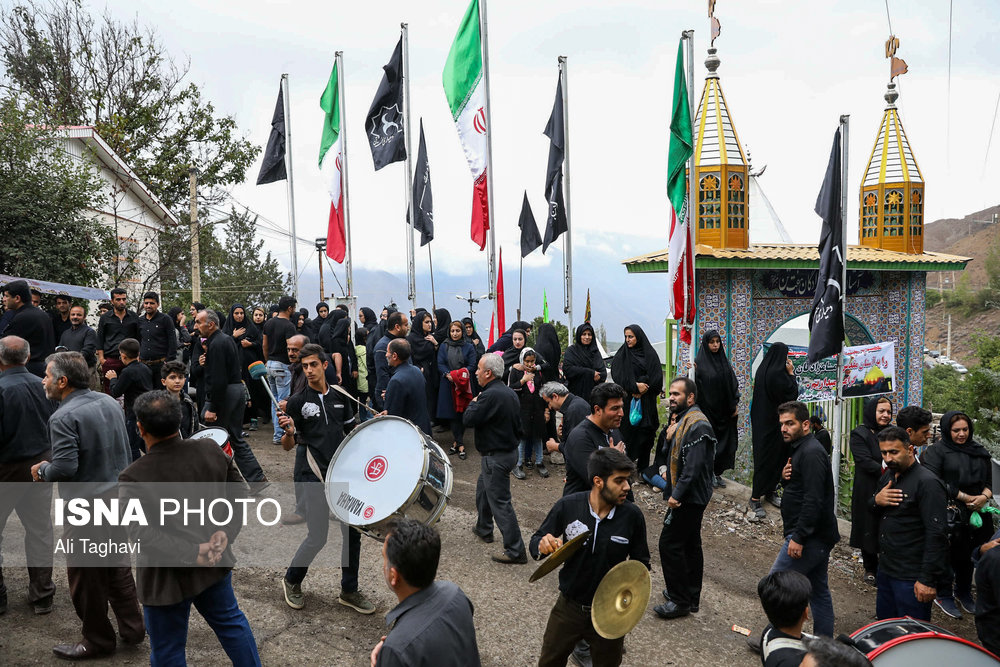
{"type": "Point", "coordinates": [680, 263]}
{"type": "Point", "coordinates": [331, 164]}
{"type": "Point", "coordinates": [466, 93]}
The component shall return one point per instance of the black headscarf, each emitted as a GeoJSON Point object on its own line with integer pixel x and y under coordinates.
{"type": "Point", "coordinates": [970, 447]}
{"type": "Point", "coordinates": [580, 362]}
{"type": "Point", "coordinates": [326, 331]}
{"type": "Point", "coordinates": [252, 333]}
{"type": "Point", "coordinates": [549, 350]}
{"type": "Point", "coordinates": [479, 346]}
{"type": "Point", "coordinates": [772, 386]}
{"type": "Point", "coordinates": [513, 354]}
{"type": "Point", "coordinates": [869, 410]}
{"type": "Point", "coordinates": [718, 389]}
{"type": "Point", "coordinates": [371, 321]}
{"type": "Point", "coordinates": [636, 364]}
{"type": "Point", "coordinates": [443, 318]}
{"type": "Point", "coordinates": [174, 312]}
{"type": "Point", "coordinates": [422, 350]}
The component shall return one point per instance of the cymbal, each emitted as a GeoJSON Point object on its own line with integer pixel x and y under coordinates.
{"type": "Point", "coordinates": [559, 556]}
{"type": "Point", "coordinates": [621, 599]}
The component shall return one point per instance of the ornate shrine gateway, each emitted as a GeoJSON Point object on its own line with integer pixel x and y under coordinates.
{"type": "Point", "coordinates": [748, 290]}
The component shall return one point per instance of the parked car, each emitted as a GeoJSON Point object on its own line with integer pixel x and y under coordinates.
{"type": "Point", "coordinates": [961, 369]}
{"type": "Point", "coordinates": [934, 354]}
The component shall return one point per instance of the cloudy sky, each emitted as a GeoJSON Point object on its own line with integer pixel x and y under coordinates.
{"type": "Point", "coordinates": [789, 69]}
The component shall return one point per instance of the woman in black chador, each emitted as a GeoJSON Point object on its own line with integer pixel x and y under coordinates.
{"type": "Point", "coordinates": [773, 385]}
{"type": "Point", "coordinates": [583, 365]}
{"type": "Point", "coordinates": [718, 398]}
{"type": "Point", "coordinates": [876, 415]}
{"type": "Point", "coordinates": [636, 367]}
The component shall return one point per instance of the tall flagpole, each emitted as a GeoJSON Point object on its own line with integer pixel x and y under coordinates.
{"type": "Point", "coordinates": [349, 263]}
{"type": "Point", "coordinates": [689, 36]}
{"type": "Point", "coordinates": [567, 241]}
{"type": "Point", "coordinates": [286, 104]}
{"type": "Point", "coordinates": [489, 159]}
{"type": "Point", "coordinates": [839, 404]}
{"type": "Point", "coordinates": [430, 263]}
{"type": "Point", "coordinates": [411, 268]}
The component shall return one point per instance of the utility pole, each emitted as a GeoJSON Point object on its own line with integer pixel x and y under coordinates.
{"type": "Point", "coordinates": [195, 245]}
{"type": "Point", "coordinates": [948, 353]}
{"type": "Point", "coordinates": [321, 250]}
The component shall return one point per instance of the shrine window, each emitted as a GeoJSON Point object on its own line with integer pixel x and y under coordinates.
{"type": "Point", "coordinates": [736, 207]}
{"type": "Point", "coordinates": [869, 215]}
{"type": "Point", "coordinates": [916, 213]}
{"type": "Point", "coordinates": [710, 202]}
{"type": "Point", "coordinates": [894, 210]}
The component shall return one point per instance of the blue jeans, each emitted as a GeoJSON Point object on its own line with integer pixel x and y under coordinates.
{"type": "Point", "coordinates": [168, 626]}
{"type": "Point", "coordinates": [533, 443]}
{"type": "Point", "coordinates": [656, 481]}
{"type": "Point", "coordinates": [279, 377]}
{"type": "Point", "coordinates": [895, 598]}
{"type": "Point", "coordinates": [814, 563]}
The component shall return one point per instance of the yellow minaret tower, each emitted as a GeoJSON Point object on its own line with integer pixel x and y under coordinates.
{"type": "Point", "coordinates": [720, 168]}
{"type": "Point", "coordinates": [892, 192]}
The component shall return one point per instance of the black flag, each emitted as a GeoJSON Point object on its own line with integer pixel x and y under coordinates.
{"type": "Point", "coordinates": [529, 230]}
{"type": "Point", "coordinates": [423, 202]}
{"type": "Point", "coordinates": [555, 221]}
{"type": "Point", "coordinates": [385, 117]}
{"type": "Point", "coordinates": [826, 321]}
{"type": "Point", "coordinates": [273, 167]}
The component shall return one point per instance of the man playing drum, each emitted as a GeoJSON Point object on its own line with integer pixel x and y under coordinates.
{"type": "Point", "coordinates": [618, 532]}
{"type": "Point", "coordinates": [321, 417]}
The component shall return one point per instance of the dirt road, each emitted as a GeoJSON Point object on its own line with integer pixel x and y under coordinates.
{"type": "Point", "coordinates": [510, 613]}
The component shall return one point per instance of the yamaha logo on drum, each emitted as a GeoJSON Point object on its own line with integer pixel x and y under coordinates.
{"type": "Point", "coordinates": [369, 512]}
{"type": "Point", "coordinates": [350, 503]}
{"type": "Point", "coordinates": [376, 468]}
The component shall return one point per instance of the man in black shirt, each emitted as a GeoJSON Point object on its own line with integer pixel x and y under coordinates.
{"type": "Point", "coordinates": [688, 473]}
{"type": "Point", "coordinates": [114, 326]}
{"type": "Point", "coordinates": [315, 422]}
{"type": "Point", "coordinates": [573, 408]}
{"type": "Point", "coordinates": [60, 316]}
{"type": "Point", "coordinates": [157, 340]}
{"type": "Point", "coordinates": [910, 501]}
{"type": "Point", "coordinates": [807, 514]}
{"type": "Point", "coordinates": [406, 393]}
{"type": "Point", "coordinates": [496, 415]}
{"type": "Point", "coordinates": [24, 415]}
{"type": "Point", "coordinates": [986, 559]}
{"type": "Point", "coordinates": [30, 323]}
{"type": "Point", "coordinates": [80, 337]}
{"type": "Point", "coordinates": [397, 326]}
{"type": "Point", "coordinates": [617, 533]}
{"type": "Point", "coordinates": [607, 404]}
{"type": "Point", "coordinates": [277, 331]}
{"type": "Point", "coordinates": [225, 395]}
{"type": "Point", "coordinates": [132, 381]}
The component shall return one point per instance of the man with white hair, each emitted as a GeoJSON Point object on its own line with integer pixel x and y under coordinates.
{"type": "Point", "coordinates": [496, 415]}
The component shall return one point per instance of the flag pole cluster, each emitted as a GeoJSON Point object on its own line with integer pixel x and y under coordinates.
{"type": "Point", "coordinates": [680, 261]}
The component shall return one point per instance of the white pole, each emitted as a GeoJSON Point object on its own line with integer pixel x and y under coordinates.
{"type": "Point", "coordinates": [286, 103]}
{"type": "Point", "coordinates": [489, 159]}
{"type": "Point", "coordinates": [567, 241]}
{"type": "Point", "coordinates": [349, 263]}
{"type": "Point", "coordinates": [692, 191]}
{"type": "Point", "coordinates": [839, 418]}
{"type": "Point", "coordinates": [411, 268]}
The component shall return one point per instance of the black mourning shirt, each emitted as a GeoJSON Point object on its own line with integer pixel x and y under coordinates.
{"type": "Point", "coordinates": [157, 339]}
{"type": "Point", "coordinates": [111, 330]}
{"type": "Point", "coordinates": [619, 536]}
{"type": "Point", "coordinates": [278, 330]}
{"type": "Point", "coordinates": [320, 423]}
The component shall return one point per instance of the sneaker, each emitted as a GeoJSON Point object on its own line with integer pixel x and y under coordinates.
{"type": "Point", "coordinates": [356, 601]}
{"type": "Point", "coordinates": [292, 519]}
{"type": "Point", "coordinates": [759, 514]}
{"type": "Point", "coordinates": [293, 594]}
{"type": "Point", "coordinates": [253, 424]}
{"type": "Point", "coordinates": [948, 606]}
{"type": "Point", "coordinates": [519, 472]}
{"type": "Point", "coordinates": [529, 464]}
{"type": "Point", "coordinates": [967, 602]}
{"type": "Point", "coordinates": [256, 488]}
{"type": "Point", "coordinates": [507, 559]}
{"type": "Point", "coordinates": [542, 470]}
{"type": "Point", "coordinates": [719, 483]}
{"type": "Point", "coordinates": [753, 642]}
{"type": "Point", "coordinates": [774, 499]}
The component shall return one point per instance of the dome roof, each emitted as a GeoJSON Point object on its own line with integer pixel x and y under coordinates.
{"type": "Point", "coordinates": [891, 160]}
{"type": "Point", "coordinates": [715, 138]}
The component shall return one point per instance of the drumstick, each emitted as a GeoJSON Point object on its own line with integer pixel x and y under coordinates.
{"type": "Point", "coordinates": [343, 391]}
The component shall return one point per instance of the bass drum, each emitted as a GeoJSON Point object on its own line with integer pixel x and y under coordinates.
{"type": "Point", "coordinates": [384, 469]}
{"type": "Point", "coordinates": [219, 436]}
{"type": "Point", "coordinates": [907, 642]}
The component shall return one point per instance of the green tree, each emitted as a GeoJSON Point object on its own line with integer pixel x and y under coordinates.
{"type": "Point", "coordinates": [87, 70]}
{"type": "Point", "coordinates": [944, 389]}
{"type": "Point", "coordinates": [44, 196]}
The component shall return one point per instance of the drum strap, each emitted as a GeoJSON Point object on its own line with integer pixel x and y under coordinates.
{"type": "Point", "coordinates": [312, 464]}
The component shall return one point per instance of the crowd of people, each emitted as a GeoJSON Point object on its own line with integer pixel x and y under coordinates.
{"type": "Point", "coordinates": [153, 380]}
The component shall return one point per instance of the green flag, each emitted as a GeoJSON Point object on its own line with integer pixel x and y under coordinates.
{"type": "Point", "coordinates": [545, 306]}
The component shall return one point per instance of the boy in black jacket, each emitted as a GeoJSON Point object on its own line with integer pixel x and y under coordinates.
{"type": "Point", "coordinates": [135, 379]}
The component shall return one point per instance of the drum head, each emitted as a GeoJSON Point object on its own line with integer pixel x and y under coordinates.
{"type": "Point", "coordinates": [219, 436]}
{"type": "Point", "coordinates": [375, 471]}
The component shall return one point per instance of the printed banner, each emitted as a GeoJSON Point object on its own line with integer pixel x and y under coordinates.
{"type": "Point", "coordinates": [868, 370]}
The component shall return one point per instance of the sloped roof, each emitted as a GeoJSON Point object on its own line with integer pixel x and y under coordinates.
{"type": "Point", "coordinates": [792, 256]}
{"type": "Point", "coordinates": [715, 138]}
{"type": "Point", "coordinates": [892, 159]}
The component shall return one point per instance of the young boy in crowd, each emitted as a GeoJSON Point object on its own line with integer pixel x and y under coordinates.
{"type": "Point", "coordinates": [785, 598]}
{"type": "Point", "coordinates": [135, 379]}
{"type": "Point", "coordinates": [174, 375]}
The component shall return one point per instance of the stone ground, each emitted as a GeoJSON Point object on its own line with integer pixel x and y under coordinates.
{"type": "Point", "coordinates": [510, 613]}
